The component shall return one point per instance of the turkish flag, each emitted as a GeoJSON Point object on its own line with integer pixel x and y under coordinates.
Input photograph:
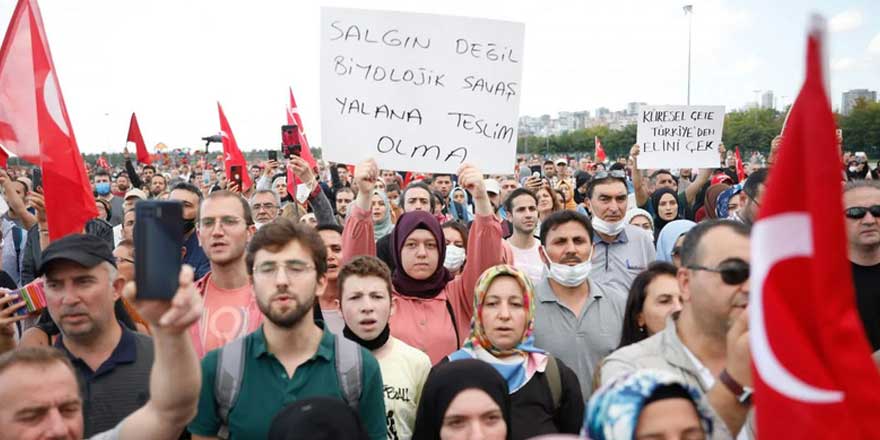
{"type": "Point", "coordinates": [600, 152]}
{"type": "Point", "coordinates": [740, 168]}
{"type": "Point", "coordinates": [231, 154]}
{"type": "Point", "coordinates": [293, 118]}
{"type": "Point", "coordinates": [812, 366]}
{"type": "Point", "coordinates": [35, 124]}
{"type": "Point", "coordinates": [134, 136]}
{"type": "Point", "coordinates": [102, 162]}
{"type": "Point", "coordinates": [4, 158]}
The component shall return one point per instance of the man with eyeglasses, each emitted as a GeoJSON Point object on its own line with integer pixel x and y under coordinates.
{"type": "Point", "coordinates": [265, 204]}
{"type": "Point", "coordinates": [225, 227]}
{"type": "Point", "coordinates": [750, 197]}
{"type": "Point", "coordinates": [861, 200]}
{"type": "Point", "coordinates": [621, 250]}
{"type": "Point", "coordinates": [290, 356]}
{"type": "Point", "coordinates": [707, 346]}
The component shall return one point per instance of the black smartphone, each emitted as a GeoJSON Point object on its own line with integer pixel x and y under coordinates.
{"type": "Point", "coordinates": [158, 238]}
{"type": "Point", "coordinates": [236, 176]}
{"type": "Point", "coordinates": [290, 145]}
{"type": "Point", "coordinates": [37, 181]}
{"type": "Point", "coordinates": [273, 155]}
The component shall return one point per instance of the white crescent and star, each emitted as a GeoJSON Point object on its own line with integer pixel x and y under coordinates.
{"type": "Point", "coordinates": [771, 244]}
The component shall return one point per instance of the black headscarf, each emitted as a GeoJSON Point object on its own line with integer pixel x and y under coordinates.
{"type": "Point", "coordinates": [403, 283]}
{"type": "Point", "coordinates": [317, 418]}
{"type": "Point", "coordinates": [449, 379]}
{"type": "Point", "coordinates": [659, 223]}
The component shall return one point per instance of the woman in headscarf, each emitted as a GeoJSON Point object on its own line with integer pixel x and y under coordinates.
{"type": "Point", "coordinates": [728, 203]}
{"type": "Point", "coordinates": [665, 204]}
{"type": "Point", "coordinates": [647, 404]}
{"type": "Point", "coordinates": [501, 335]}
{"type": "Point", "coordinates": [641, 218]}
{"type": "Point", "coordinates": [459, 395]}
{"type": "Point", "coordinates": [433, 308]}
{"type": "Point", "coordinates": [458, 205]}
{"type": "Point", "coordinates": [381, 214]}
{"type": "Point", "coordinates": [670, 239]}
{"type": "Point", "coordinates": [711, 200]}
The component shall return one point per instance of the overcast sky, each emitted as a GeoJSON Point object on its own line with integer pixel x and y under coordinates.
{"type": "Point", "coordinates": [171, 60]}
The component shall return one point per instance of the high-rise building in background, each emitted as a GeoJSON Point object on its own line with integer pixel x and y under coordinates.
{"type": "Point", "coordinates": [851, 97]}
{"type": "Point", "coordinates": [767, 100]}
{"type": "Point", "coordinates": [632, 108]}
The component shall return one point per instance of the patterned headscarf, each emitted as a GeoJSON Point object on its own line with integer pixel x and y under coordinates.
{"type": "Point", "coordinates": [613, 411]}
{"type": "Point", "coordinates": [517, 370]}
{"type": "Point", "coordinates": [724, 198]}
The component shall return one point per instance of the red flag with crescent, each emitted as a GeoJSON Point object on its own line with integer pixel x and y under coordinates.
{"type": "Point", "coordinates": [231, 154]}
{"type": "Point", "coordinates": [812, 367]}
{"type": "Point", "coordinates": [34, 123]}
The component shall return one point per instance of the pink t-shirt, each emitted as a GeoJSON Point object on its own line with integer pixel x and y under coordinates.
{"type": "Point", "coordinates": [228, 314]}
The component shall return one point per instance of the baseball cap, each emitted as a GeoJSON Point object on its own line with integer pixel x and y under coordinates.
{"type": "Point", "coordinates": [492, 186]}
{"type": "Point", "coordinates": [135, 193]}
{"type": "Point", "coordinates": [721, 178]}
{"type": "Point", "coordinates": [561, 161]}
{"type": "Point", "coordinates": [83, 249]}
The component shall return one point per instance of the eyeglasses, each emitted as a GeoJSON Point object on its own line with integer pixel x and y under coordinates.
{"type": "Point", "coordinates": [859, 212]}
{"type": "Point", "coordinates": [263, 206]}
{"type": "Point", "coordinates": [292, 269]}
{"type": "Point", "coordinates": [124, 260]}
{"type": "Point", "coordinates": [676, 251]}
{"type": "Point", "coordinates": [227, 221]}
{"type": "Point", "coordinates": [605, 174]}
{"type": "Point", "coordinates": [733, 271]}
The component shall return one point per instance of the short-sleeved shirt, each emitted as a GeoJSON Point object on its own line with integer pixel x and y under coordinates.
{"type": "Point", "coordinates": [528, 261]}
{"type": "Point", "coordinates": [119, 386]}
{"type": "Point", "coordinates": [228, 315]}
{"type": "Point", "coordinates": [616, 264]}
{"type": "Point", "coordinates": [579, 341]}
{"type": "Point", "coordinates": [404, 371]}
{"type": "Point", "coordinates": [266, 389]}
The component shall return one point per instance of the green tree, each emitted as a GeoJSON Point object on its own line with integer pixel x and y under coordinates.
{"type": "Point", "coordinates": [753, 129]}
{"type": "Point", "coordinates": [861, 128]}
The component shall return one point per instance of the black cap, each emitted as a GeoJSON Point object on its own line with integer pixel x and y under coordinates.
{"type": "Point", "coordinates": [83, 249]}
{"type": "Point", "coordinates": [317, 418]}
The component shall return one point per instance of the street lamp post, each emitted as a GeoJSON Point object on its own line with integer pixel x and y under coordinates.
{"type": "Point", "coordinates": [689, 11]}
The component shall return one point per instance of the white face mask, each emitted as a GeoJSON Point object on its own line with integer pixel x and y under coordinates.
{"type": "Point", "coordinates": [454, 257]}
{"type": "Point", "coordinates": [570, 276]}
{"type": "Point", "coordinates": [607, 228]}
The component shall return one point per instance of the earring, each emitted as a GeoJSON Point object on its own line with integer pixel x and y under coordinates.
{"type": "Point", "coordinates": [642, 329]}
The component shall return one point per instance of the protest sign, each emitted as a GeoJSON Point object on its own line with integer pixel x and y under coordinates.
{"type": "Point", "coordinates": [673, 136]}
{"type": "Point", "coordinates": [420, 92]}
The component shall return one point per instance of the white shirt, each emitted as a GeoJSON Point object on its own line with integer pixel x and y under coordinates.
{"type": "Point", "coordinates": [528, 261]}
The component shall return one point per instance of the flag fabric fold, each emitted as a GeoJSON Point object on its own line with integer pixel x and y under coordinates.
{"type": "Point", "coordinates": [811, 359]}
{"type": "Point", "coordinates": [600, 152]}
{"type": "Point", "coordinates": [231, 154]}
{"type": "Point", "coordinates": [134, 136]}
{"type": "Point", "coordinates": [293, 118]}
{"type": "Point", "coordinates": [740, 168]}
{"type": "Point", "coordinates": [35, 124]}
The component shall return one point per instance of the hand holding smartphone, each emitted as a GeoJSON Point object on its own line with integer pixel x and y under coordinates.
{"type": "Point", "coordinates": [158, 237]}
{"type": "Point", "coordinates": [290, 145]}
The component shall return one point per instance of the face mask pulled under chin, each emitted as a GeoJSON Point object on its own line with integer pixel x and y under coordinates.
{"type": "Point", "coordinates": [569, 276]}
{"type": "Point", "coordinates": [455, 257]}
{"type": "Point", "coordinates": [608, 228]}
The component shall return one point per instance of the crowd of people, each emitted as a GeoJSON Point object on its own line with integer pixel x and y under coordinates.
{"type": "Point", "coordinates": [570, 297]}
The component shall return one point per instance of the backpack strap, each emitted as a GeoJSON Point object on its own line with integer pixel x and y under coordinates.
{"type": "Point", "coordinates": [349, 366]}
{"type": "Point", "coordinates": [554, 381]}
{"type": "Point", "coordinates": [454, 324]}
{"type": "Point", "coordinates": [227, 383]}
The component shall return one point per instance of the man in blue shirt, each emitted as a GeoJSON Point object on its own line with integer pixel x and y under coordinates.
{"type": "Point", "coordinates": [191, 197]}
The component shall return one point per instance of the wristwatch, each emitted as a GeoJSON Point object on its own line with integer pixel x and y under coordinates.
{"type": "Point", "coordinates": [743, 394]}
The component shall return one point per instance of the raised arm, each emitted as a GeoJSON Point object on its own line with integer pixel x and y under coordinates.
{"type": "Point", "coordinates": [133, 176]}
{"type": "Point", "coordinates": [358, 237]}
{"type": "Point", "coordinates": [176, 377]}
{"type": "Point", "coordinates": [694, 188]}
{"type": "Point", "coordinates": [317, 200]}
{"type": "Point", "coordinates": [15, 202]}
{"type": "Point", "coordinates": [638, 181]}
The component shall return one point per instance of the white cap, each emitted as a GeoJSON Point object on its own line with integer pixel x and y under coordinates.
{"type": "Point", "coordinates": [492, 186]}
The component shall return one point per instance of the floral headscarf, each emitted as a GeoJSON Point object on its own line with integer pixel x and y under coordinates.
{"type": "Point", "coordinates": [613, 411]}
{"type": "Point", "coordinates": [517, 370]}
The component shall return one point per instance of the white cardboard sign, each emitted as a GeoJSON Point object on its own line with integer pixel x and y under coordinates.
{"type": "Point", "coordinates": [672, 136]}
{"type": "Point", "coordinates": [420, 92]}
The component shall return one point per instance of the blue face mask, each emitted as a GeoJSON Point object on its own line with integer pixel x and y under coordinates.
{"type": "Point", "coordinates": [102, 188]}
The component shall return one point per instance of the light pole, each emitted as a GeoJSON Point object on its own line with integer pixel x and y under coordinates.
{"type": "Point", "coordinates": [689, 11]}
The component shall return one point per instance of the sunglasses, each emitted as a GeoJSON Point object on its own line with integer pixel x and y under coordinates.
{"type": "Point", "coordinates": [733, 271]}
{"type": "Point", "coordinates": [858, 212]}
{"type": "Point", "coordinates": [605, 174]}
